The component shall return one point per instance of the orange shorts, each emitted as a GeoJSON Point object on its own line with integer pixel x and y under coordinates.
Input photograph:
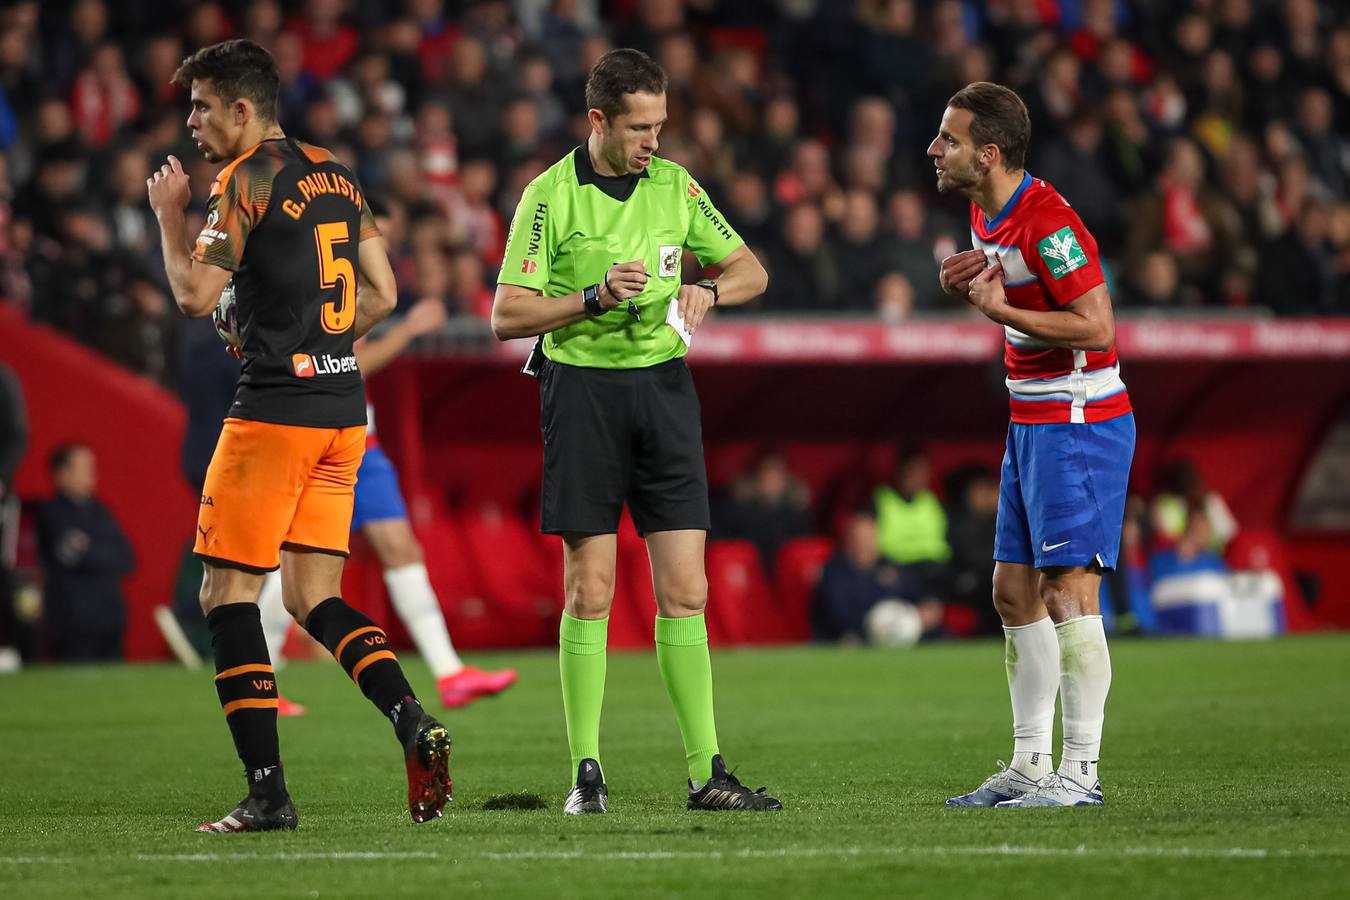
{"type": "Point", "coordinates": [273, 486]}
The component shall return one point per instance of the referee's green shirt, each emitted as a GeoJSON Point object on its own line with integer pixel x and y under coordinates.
{"type": "Point", "coordinates": [572, 224]}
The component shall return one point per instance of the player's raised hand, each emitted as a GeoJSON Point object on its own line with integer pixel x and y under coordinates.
{"type": "Point", "coordinates": [695, 301]}
{"type": "Point", "coordinates": [986, 291]}
{"type": "Point", "coordinates": [623, 281]}
{"type": "Point", "coordinates": [958, 269]}
{"type": "Point", "coordinates": [169, 187]}
{"type": "Point", "coordinates": [425, 316]}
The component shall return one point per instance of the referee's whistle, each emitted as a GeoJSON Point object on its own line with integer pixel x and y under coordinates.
{"type": "Point", "coordinates": [633, 311]}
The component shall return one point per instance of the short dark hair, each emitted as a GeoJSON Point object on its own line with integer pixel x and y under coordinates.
{"type": "Point", "coordinates": [237, 68]}
{"type": "Point", "coordinates": [63, 454]}
{"type": "Point", "coordinates": [1000, 118]}
{"type": "Point", "coordinates": [619, 72]}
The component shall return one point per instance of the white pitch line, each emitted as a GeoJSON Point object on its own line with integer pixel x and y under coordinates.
{"type": "Point", "coordinates": [1002, 850]}
{"type": "Point", "coordinates": [713, 855]}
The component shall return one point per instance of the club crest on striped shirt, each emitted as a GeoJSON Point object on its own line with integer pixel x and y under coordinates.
{"type": "Point", "coordinates": [1061, 252]}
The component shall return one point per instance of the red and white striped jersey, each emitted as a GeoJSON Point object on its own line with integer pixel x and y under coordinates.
{"type": "Point", "coordinates": [1049, 260]}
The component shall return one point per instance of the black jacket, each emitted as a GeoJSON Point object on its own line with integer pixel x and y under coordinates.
{"type": "Point", "coordinates": [83, 593]}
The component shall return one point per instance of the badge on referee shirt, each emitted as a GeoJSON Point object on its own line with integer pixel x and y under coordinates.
{"type": "Point", "coordinates": [668, 261]}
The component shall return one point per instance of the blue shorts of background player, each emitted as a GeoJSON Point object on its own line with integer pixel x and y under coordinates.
{"type": "Point", "coordinates": [1062, 493]}
{"type": "Point", "coordinates": [377, 493]}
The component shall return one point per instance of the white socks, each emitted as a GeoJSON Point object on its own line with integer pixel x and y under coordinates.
{"type": "Point", "coordinates": [1085, 663]}
{"type": "Point", "coordinates": [1032, 660]}
{"type": "Point", "coordinates": [275, 620]}
{"type": "Point", "coordinates": [416, 604]}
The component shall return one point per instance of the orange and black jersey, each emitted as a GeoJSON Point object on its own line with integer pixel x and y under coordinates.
{"type": "Point", "coordinates": [286, 219]}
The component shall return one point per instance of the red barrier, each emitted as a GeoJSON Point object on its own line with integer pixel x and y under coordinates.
{"type": "Point", "coordinates": [135, 429]}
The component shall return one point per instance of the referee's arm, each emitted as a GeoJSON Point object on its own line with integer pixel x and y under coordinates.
{"type": "Point", "coordinates": [743, 279]}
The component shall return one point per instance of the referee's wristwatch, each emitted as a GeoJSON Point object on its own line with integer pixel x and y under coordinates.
{"type": "Point", "coordinates": [710, 285]}
{"type": "Point", "coordinates": [590, 298]}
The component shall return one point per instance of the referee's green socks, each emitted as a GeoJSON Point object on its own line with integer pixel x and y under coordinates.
{"type": "Point", "coordinates": [682, 654]}
{"type": "Point", "coordinates": [581, 661]}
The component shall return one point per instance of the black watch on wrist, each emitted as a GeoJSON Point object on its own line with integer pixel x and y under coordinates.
{"type": "Point", "coordinates": [590, 298]}
{"type": "Point", "coordinates": [710, 285]}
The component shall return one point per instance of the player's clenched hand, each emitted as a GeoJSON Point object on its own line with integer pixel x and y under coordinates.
{"type": "Point", "coordinates": [958, 269]}
{"type": "Point", "coordinates": [623, 281]}
{"type": "Point", "coordinates": [695, 301]}
{"type": "Point", "coordinates": [986, 291]}
{"type": "Point", "coordinates": [425, 316]}
{"type": "Point", "coordinates": [169, 187]}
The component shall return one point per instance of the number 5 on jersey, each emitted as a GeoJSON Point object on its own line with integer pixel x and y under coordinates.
{"type": "Point", "coordinates": [339, 314]}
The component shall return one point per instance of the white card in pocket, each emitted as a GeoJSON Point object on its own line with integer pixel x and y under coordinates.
{"type": "Point", "coordinates": [676, 321]}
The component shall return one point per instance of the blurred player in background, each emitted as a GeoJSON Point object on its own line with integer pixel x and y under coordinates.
{"type": "Point", "coordinates": [1035, 271]}
{"type": "Point", "coordinates": [289, 224]}
{"type": "Point", "coordinates": [382, 516]}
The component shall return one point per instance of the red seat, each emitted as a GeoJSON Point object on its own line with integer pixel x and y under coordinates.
{"type": "Point", "coordinates": [740, 607]}
{"type": "Point", "coordinates": [517, 579]}
{"type": "Point", "coordinates": [797, 571]}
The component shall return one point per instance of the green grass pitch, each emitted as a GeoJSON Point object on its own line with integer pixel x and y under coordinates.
{"type": "Point", "coordinates": [1224, 775]}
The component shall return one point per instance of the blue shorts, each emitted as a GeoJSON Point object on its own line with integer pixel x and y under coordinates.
{"type": "Point", "coordinates": [1062, 493]}
{"type": "Point", "coordinates": [377, 493]}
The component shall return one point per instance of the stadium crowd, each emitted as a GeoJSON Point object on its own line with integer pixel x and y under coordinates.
{"type": "Point", "coordinates": [1202, 142]}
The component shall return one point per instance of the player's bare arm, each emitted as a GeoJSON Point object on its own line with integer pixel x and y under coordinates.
{"type": "Point", "coordinates": [743, 279]}
{"type": "Point", "coordinates": [196, 285]}
{"type": "Point", "coordinates": [376, 292]}
{"type": "Point", "coordinates": [373, 354]}
{"type": "Point", "coordinates": [1087, 323]}
{"type": "Point", "coordinates": [524, 312]}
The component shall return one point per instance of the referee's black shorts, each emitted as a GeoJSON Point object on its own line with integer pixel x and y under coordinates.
{"type": "Point", "coordinates": [616, 435]}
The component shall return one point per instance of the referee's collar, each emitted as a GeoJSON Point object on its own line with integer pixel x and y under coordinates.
{"type": "Point", "coordinates": [620, 187]}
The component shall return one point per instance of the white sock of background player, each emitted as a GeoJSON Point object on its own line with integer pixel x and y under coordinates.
{"type": "Point", "coordinates": [416, 604]}
{"type": "Point", "coordinates": [275, 620]}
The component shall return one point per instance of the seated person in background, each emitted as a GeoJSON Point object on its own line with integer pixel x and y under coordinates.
{"type": "Point", "coordinates": [84, 556]}
{"type": "Point", "coordinates": [856, 580]}
{"type": "Point", "coordinates": [1181, 487]}
{"type": "Point", "coordinates": [1192, 554]}
{"type": "Point", "coordinates": [972, 514]}
{"type": "Point", "coordinates": [766, 505]}
{"type": "Point", "coordinates": [912, 526]}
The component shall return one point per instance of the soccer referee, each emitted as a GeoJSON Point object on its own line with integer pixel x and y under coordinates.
{"type": "Point", "coordinates": [593, 265]}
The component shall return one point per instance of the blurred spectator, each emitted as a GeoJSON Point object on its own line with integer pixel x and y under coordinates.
{"type": "Point", "coordinates": [856, 580]}
{"type": "Point", "coordinates": [1181, 491]}
{"type": "Point", "coordinates": [13, 445]}
{"type": "Point", "coordinates": [972, 513]}
{"type": "Point", "coordinates": [914, 250]}
{"type": "Point", "coordinates": [13, 431]}
{"type": "Point", "coordinates": [1156, 284]}
{"type": "Point", "coordinates": [800, 264]}
{"type": "Point", "coordinates": [1327, 151]}
{"type": "Point", "coordinates": [1297, 274]}
{"type": "Point", "coordinates": [765, 505]}
{"type": "Point", "coordinates": [135, 230]}
{"type": "Point", "coordinates": [104, 98]}
{"type": "Point", "coordinates": [894, 298]}
{"type": "Point", "coordinates": [856, 250]}
{"type": "Point", "coordinates": [912, 523]}
{"type": "Point", "coordinates": [84, 557]}
{"type": "Point", "coordinates": [1074, 167]}
{"type": "Point", "coordinates": [327, 42]}
{"type": "Point", "coordinates": [1185, 217]}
